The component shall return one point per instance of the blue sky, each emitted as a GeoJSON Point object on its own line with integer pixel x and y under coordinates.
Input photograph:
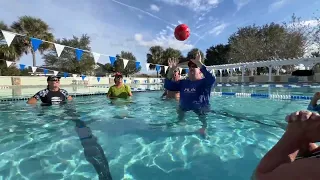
{"type": "Point", "coordinates": [135, 25]}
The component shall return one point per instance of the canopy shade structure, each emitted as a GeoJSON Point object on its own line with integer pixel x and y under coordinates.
{"type": "Point", "coordinates": [307, 61]}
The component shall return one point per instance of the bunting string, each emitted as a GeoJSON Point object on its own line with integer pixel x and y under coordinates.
{"type": "Point", "coordinates": [35, 42]}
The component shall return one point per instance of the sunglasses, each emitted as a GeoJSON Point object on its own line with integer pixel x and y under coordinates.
{"type": "Point", "coordinates": [118, 77]}
{"type": "Point", "coordinates": [55, 80]}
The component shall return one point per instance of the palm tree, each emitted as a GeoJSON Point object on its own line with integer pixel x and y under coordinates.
{"type": "Point", "coordinates": [14, 51]}
{"type": "Point", "coordinates": [33, 27]}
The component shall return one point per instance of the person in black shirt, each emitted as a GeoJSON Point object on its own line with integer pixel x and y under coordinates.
{"type": "Point", "coordinates": [52, 94]}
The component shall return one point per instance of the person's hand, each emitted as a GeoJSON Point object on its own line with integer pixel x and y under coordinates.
{"type": "Point", "coordinates": [173, 63]}
{"type": "Point", "coordinates": [304, 126]}
{"type": "Point", "coordinates": [198, 59]}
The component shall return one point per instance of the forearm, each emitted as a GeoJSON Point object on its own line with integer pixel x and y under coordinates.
{"type": "Point", "coordinates": [170, 73]}
{"type": "Point", "coordinates": [283, 152]}
{"type": "Point", "coordinates": [314, 101]}
{"type": "Point", "coordinates": [207, 75]}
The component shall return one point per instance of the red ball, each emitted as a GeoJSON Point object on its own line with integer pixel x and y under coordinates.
{"type": "Point", "coordinates": [182, 32]}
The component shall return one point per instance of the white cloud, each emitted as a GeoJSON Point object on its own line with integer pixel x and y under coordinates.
{"type": "Point", "coordinates": [240, 3]}
{"type": "Point", "coordinates": [164, 40]}
{"type": "Point", "coordinates": [154, 7]}
{"type": "Point", "coordinates": [218, 29]}
{"type": "Point", "coordinates": [277, 5]}
{"type": "Point", "coordinates": [106, 38]}
{"type": "Point", "coordinates": [142, 11]}
{"type": "Point", "coordinates": [195, 5]}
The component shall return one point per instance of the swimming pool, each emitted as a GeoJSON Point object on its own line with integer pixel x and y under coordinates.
{"type": "Point", "coordinates": [41, 142]}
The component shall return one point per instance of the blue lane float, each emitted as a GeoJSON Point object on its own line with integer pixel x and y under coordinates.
{"type": "Point", "coordinates": [266, 96]}
{"type": "Point", "coordinates": [301, 85]}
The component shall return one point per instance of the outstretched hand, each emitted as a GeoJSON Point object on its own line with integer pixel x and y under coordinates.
{"type": "Point", "coordinates": [173, 63]}
{"type": "Point", "coordinates": [198, 59]}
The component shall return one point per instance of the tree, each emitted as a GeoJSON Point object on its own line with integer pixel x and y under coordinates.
{"type": "Point", "coordinates": [155, 56]}
{"type": "Point", "coordinates": [33, 27]}
{"type": "Point", "coordinates": [159, 55]}
{"type": "Point", "coordinates": [193, 52]}
{"type": "Point", "coordinates": [10, 53]}
{"type": "Point", "coordinates": [67, 61]}
{"type": "Point", "coordinates": [253, 43]}
{"type": "Point", "coordinates": [131, 66]}
{"type": "Point", "coordinates": [217, 55]}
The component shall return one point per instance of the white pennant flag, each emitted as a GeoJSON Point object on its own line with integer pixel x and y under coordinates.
{"type": "Point", "coordinates": [96, 57]}
{"type": "Point", "coordinates": [34, 69]}
{"type": "Point", "coordinates": [8, 36]}
{"type": "Point", "coordinates": [212, 72]}
{"type": "Point", "coordinates": [180, 69]}
{"type": "Point", "coordinates": [59, 48]}
{"type": "Point", "coordinates": [74, 75]}
{"type": "Point", "coordinates": [125, 62]}
{"type": "Point", "coordinates": [165, 68]}
{"type": "Point", "coordinates": [9, 63]}
{"type": "Point", "coordinates": [147, 66]}
{"type": "Point", "coordinates": [55, 72]}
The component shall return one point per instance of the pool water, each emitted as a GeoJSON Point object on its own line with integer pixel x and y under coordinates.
{"type": "Point", "coordinates": [42, 142]}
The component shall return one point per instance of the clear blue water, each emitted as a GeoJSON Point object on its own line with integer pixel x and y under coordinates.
{"type": "Point", "coordinates": [41, 142]}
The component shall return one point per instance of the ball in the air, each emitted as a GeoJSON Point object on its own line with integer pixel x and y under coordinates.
{"type": "Point", "coordinates": [182, 32]}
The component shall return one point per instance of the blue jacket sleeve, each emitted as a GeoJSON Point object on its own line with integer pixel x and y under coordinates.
{"type": "Point", "coordinates": [171, 85]}
{"type": "Point", "coordinates": [313, 108]}
{"type": "Point", "coordinates": [209, 78]}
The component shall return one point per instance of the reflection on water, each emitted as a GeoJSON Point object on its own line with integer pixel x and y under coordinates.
{"type": "Point", "coordinates": [79, 140]}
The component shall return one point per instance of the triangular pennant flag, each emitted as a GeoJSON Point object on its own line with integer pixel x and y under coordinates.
{"type": "Point", "coordinates": [8, 36]}
{"type": "Point", "coordinates": [55, 73]}
{"type": "Point", "coordinates": [74, 75]}
{"type": "Point", "coordinates": [234, 69]}
{"type": "Point", "coordinates": [165, 68]}
{"type": "Point", "coordinates": [137, 65]}
{"type": "Point", "coordinates": [112, 60]}
{"type": "Point", "coordinates": [22, 66]}
{"type": "Point", "coordinates": [180, 69]}
{"type": "Point", "coordinates": [158, 68]}
{"type": "Point", "coordinates": [35, 43]}
{"type": "Point", "coordinates": [98, 79]}
{"type": "Point", "coordinates": [83, 77]}
{"type": "Point", "coordinates": [125, 62]}
{"type": "Point", "coordinates": [96, 57]}
{"type": "Point", "coordinates": [45, 71]}
{"type": "Point", "coordinates": [187, 70]}
{"type": "Point", "coordinates": [79, 53]}
{"type": "Point", "coordinates": [34, 69]}
{"type": "Point", "coordinates": [9, 63]}
{"type": "Point", "coordinates": [59, 48]}
{"type": "Point", "coordinates": [65, 74]}
{"type": "Point", "coordinates": [147, 66]}
{"type": "Point", "coordinates": [212, 71]}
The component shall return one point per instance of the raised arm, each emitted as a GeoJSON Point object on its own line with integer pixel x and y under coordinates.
{"type": "Point", "coordinates": [209, 78]}
{"type": "Point", "coordinates": [313, 106]}
{"type": "Point", "coordinates": [168, 83]}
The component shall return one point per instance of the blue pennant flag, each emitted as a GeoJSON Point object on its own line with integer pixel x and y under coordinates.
{"type": "Point", "coordinates": [35, 43]}
{"type": "Point", "coordinates": [146, 81]}
{"type": "Point", "coordinates": [79, 53]}
{"type": "Point", "coordinates": [98, 79]}
{"type": "Point", "coordinates": [187, 70]}
{"type": "Point", "coordinates": [83, 76]}
{"type": "Point", "coordinates": [112, 60]}
{"type": "Point", "coordinates": [22, 66]}
{"type": "Point", "coordinates": [137, 65]}
{"type": "Point", "coordinates": [157, 68]}
{"type": "Point", "coordinates": [124, 81]}
{"type": "Point", "coordinates": [65, 74]}
{"type": "Point", "coordinates": [45, 71]}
